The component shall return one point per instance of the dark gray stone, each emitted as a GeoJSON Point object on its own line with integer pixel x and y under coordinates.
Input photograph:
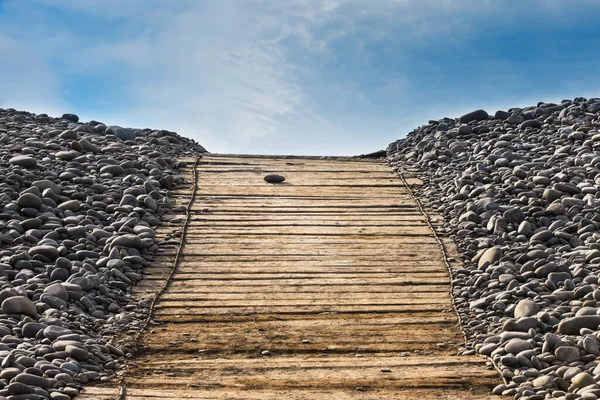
{"type": "Point", "coordinates": [477, 115]}
{"type": "Point", "coordinates": [274, 178]}
{"type": "Point", "coordinates": [19, 305]}
{"type": "Point", "coordinates": [23, 161]}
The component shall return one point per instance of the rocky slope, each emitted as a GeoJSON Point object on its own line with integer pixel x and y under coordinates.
{"type": "Point", "coordinates": [79, 203]}
{"type": "Point", "coordinates": [520, 194]}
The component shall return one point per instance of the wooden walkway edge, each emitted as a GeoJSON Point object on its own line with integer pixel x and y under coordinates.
{"type": "Point", "coordinates": [328, 286]}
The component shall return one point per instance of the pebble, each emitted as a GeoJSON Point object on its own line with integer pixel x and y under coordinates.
{"type": "Point", "coordinates": [583, 379]}
{"type": "Point", "coordinates": [526, 308]}
{"type": "Point", "coordinates": [274, 178]}
{"type": "Point", "coordinates": [24, 161]}
{"type": "Point", "coordinates": [69, 205]}
{"type": "Point", "coordinates": [477, 115]}
{"type": "Point", "coordinates": [29, 200]}
{"type": "Point", "coordinates": [18, 305]}
{"type": "Point", "coordinates": [567, 353]}
{"type": "Point", "coordinates": [70, 117]}
{"type": "Point", "coordinates": [573, 325]}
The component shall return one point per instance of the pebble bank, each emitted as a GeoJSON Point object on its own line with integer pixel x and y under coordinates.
{"type": "Point", "coordinates": [519, 191]}
{"type": "Point", "coordinates": [79, 203]}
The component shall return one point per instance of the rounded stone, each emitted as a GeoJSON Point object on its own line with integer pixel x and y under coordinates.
{"type": "Point", "coordinates": [582, 379]}
{"type": "Point", "coordinates": [112, 169]}
{"type": "Point", "coordinates": [71, 205]}
{"type": "Point", "coordinates": [31, 329]}
{"type": "Point", "coordinates": [572, 326]}
{"type": "Point", "coordinates": [44, 184]}
{"type": "Point", "coordinates": [29, 200]}
{"type": "Point", "coordinates": [47, 251]}
{"type": "Point", "coordinates": [17, 388]}
{"type": "Point", "coordinates": [274, 178]}
{"type": "Point", "coordinates": [121, 133]}
{"type": "Point", "coordinates": [70, 117]}
{"type": "Point", "coordinates": [67, 155]}
{"type": "Point", "coordinates": [515, 346]}
{"type": "Point", "coordinates": [567, 353]}
{"type": "Point", "coordinates": [33, 380]}
{"type": "Point", "coordinates": [477, 115]}
{"type": "Point", "coordinates": [19, 305]}
{"type": "Point", "coordinates": [129, 240]}
{"type": "Point", "coordinates": [23, 161]}
{"type": "Point", "coordinates": [77, 353]}
{"type": "Point", "coordinates": [68, 135]}
{"type": "Point", "coordinates": [526, 308]}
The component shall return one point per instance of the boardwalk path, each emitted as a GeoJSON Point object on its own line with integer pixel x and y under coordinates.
{"type": "Point", "coordinates": [329, 286]}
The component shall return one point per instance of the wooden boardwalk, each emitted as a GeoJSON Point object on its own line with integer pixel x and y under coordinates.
{"type": "Point", "coordinates": [328, 286]}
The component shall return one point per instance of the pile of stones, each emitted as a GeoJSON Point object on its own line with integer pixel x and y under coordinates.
{"type": "Point", "coordinates": [520, 195]}
{"type": "Point", "coordinates": [79, 204]}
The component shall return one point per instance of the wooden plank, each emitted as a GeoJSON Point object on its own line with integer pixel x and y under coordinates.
{"type": "Point", "coordinates": [335, 274]}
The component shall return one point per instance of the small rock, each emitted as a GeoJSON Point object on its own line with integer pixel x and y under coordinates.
{"type": "Point", "coordinates": [582, 380]}
{"type": "Point", "coordinates": [23, 161]}
{"type": "Point", "coordinates": [477, 115]}
{"type": "Point", "coordinates": [526, 308]}
{"type": "Point", "coordinates": [19, 305]}
{"type": "Point", "coordinates": [70, 117]}
{"type": "Point", "coordinates": [273, 178]}
{"type": "Point", "coordinates": [567, 353]}
{"type": "Point", "coordinates": [29, 200]}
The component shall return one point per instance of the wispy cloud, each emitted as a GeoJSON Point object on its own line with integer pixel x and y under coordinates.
{"type": "Point", "coordinates": [294, 76]}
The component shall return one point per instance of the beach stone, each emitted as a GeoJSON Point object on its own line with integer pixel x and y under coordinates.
{"type": "Point", "coordinates": [490, 256]}
{"type": "Point", "coordinates": [128, 240]}
{"type": "Point", "coordinates": [19, 305]}
{"type": "Point", "coordinates": [44, 250]}
{"type": "Point", "coordinates": [89, 146]}
{"type": "Point", "coordinates": [543, 382]}
{"type": "Point", "coordinates": [501, 115]}
{"type": "Point", "coordinates": [44, 184]}
{"type": "Point", "coordinates": [567, 353]}
{"type": "Point", "coordinates": [29, 200]}
{"type": "Point", "coordinates": [558, 277]}
{"type": "Point", "coordinates": [583, 379]}
{"type": "Point", "coordinates": [16, 388]}
{"type": "Point", "coordinates": [70, 117]}
{"type": "Point", "coordinates": [112, 169]}
{"type": "Point", "coordinates": [31, 329]}
{"type": "Point", "coordinates": [273, 178]}
{"type": "Point", "coordinates": [77, 353]}
{"type": "Point", "coordinates": [590, 345]}
{"type": "Point", "coordinates": [552, 195]}
{"type": "Point", "coordinates": [572, 326]}
{"type": "Point", "coordinates": [526, 308]}
{"type": "Point", "coordinates": [67, 155]}
{"type": "Point", "coordinates": [23, 161]}
{"type": "Point", "coordinates": [33, 380]}
{"type": "Point", "coordinates": [57, 290]}
{"type": "Point", "coordinates": [515, 346]}
{"type": "Point", "coordinates": [532, 123]}
{"type": "Point", "coordinates": [68, 135]}
{"type": "Point", "coordinates": [121, 133]}
{"type": "Point", "coordinates": [53, 332]}
{"type": "Point", "coordinates": [477, 115]}
{"type": "Point", "coordinates": [71, 205]}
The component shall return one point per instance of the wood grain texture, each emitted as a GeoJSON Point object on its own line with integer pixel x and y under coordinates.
{"type": "Point", "coordinates": [329, 286]}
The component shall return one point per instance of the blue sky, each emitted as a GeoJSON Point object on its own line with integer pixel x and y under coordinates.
{"type": "Point", "coordinates": [293, 76]}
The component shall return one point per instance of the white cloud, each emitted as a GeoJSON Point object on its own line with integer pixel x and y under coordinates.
{"type": "Point", "coordinates": [238, 75]}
